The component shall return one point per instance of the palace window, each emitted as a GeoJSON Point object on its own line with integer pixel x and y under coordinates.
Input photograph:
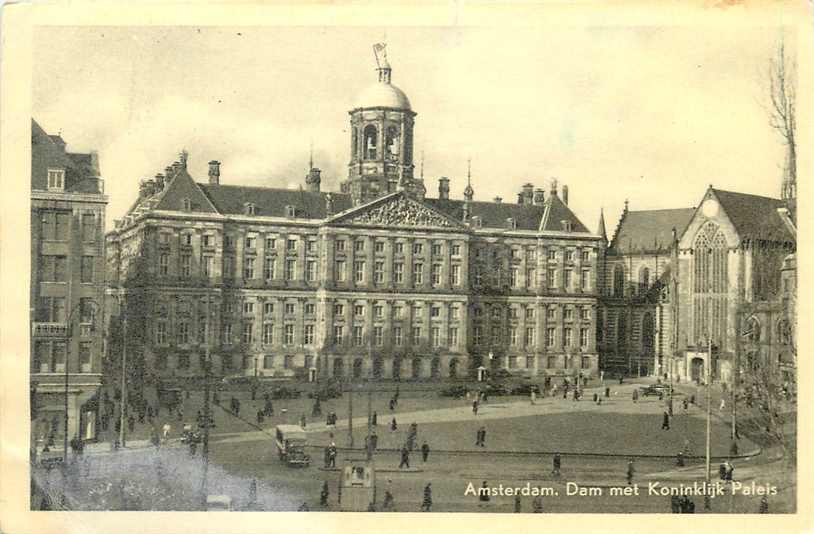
{"type": "Point", "coordinates": [311, 271]}
{"type": "Point", "coordinates": [398, 273]}
{"type": "Point", "coordinates": [290, 269]}
{"type": "Point", "coordinates": [268, 334]}
{"type": "Point", "coordinates": [248, 333]}
{"type": "Point", "coordinates": [268, 268]}
{"type": "Point", "coordinates": [288, 334]}
{"type": "Point", "coordinates": [340, 271]}
{"type": "Point", "coordinates": [529, 339]}
{"type": "Point", "coordinates": [308, 336]}
{"type": "Point", "coordinates": [453, 337]}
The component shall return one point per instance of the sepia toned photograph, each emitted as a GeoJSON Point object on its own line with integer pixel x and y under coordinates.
{"type": "Point", "coordinates": [402, 268]}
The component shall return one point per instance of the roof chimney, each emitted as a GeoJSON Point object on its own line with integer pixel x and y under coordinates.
{"type": "Point", "coordinates": [565, 194]}
{"type": "Point", "coordinates": [313, 180]}
{"type": "Point", "coordinates": [443, 188]}
{"type": "Point", "coordinates": [498, 200]}
{"type": "Point", "coordinates": [159, 182]}
{"type": "Point", "coordinates": [214, 172]}
{"type": "Point", "coordinates": [526, 195]}
{"type": "Point", "coordinates": [539, 197]}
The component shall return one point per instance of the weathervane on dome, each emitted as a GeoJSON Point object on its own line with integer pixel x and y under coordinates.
{"type": "Point", "coordinates": [383, 66]}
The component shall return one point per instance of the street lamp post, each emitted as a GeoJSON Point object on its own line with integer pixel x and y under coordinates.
{"type": "Point", "coordinates": [708, 380]}
{"type": "Point", "coordinates": [122, 420]}
{"type": "Point", "coordinates": [68, 337]}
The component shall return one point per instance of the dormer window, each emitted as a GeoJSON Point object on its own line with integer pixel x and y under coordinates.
{"type": "Point", "coordinates": [476, 221]}
{"type": "Point", "coordinates": [56, 179]}
{"type": "Point", "coordinates": [249, 208]}
{"type": "Point", "coordinates": [511, 224]}
{"type": "Point", "coordinates": [566, 226]}
{"type": "Point", "coordinates": [186, 204]}
{"type": "Point", "coordinates": [290, 211]}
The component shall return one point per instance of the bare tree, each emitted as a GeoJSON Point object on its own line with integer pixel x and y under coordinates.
{"type": "Point", "coordinates": [783, 111]}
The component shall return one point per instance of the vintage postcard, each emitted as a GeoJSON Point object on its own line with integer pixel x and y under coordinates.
{"type": "Point", "coordinates": [445, 259]}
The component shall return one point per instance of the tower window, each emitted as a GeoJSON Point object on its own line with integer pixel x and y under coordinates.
{"type": "Point", "coordinates": [250, 209]}
{"type": "Point", "coordinates": [371, 138]}
{"type": "Point", "coordinates": [392, 143]}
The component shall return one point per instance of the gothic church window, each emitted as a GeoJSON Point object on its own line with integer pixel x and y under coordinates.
{"type": "Point", "coordinates": [618, 281]}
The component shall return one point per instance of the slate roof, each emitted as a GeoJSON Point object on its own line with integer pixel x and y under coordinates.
{"type": "Point", "coordinates": [48, 152]}
{"type": "Point", "coordinates": [649, 230]}
{"type": "Point", "coordinates": [272, 202]}
{"type": "Point", "coordinates": [753, 216]}
{"type": "Point", "coordinates": [526, 216]}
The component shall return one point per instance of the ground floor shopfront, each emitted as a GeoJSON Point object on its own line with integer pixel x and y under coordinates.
{"type": "Point", "coordinates": [51, 398]}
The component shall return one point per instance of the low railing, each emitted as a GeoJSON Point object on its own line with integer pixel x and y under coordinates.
{"type": "Point", "coordinates": [50, 329]}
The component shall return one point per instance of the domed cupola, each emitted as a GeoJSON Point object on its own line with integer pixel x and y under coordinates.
{"type": "Point", "coordinates": [381, 120]}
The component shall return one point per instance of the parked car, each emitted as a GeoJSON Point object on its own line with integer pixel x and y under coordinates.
{"type": "Point", "coordinates": [655, 389]}
{"type": "Point", "coordinates": [285, 392]}
{"type": "Point", "coordinates": [456, 391]}
{"type": "Point", "coordinates": [525, 389]}
{"type": "Point", "coordinates": [218, 503]}
{"type": "Point", "coordinates": [496, 389]}
{"type": "Point", "coordinates": [330, 391]}
{"type": "Point", "coordinates": [291, 441]}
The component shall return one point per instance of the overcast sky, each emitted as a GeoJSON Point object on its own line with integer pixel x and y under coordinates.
{"type": "Point", "coordinates": [650, 114]}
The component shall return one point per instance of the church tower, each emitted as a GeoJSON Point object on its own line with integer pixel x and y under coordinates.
{"type": "Point", "coordinates": [381, 126]}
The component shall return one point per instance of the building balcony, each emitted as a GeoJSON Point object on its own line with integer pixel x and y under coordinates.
{"type": "Point", "coordinates": [49, 329]}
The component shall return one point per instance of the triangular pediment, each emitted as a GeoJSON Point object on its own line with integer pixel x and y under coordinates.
{"type": "Point", "coordinates": [396, 210]}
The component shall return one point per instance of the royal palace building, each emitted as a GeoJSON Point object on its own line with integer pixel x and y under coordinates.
{"type": "Point", "coordinates": [67, 288]}
{"type": "Point", "coordinates": [380, 279]}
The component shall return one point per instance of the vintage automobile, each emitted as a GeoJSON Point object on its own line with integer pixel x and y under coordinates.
{"type": "Point", "coordinates": [218, 503]}
{"type": "Point", "coordinates": [655, 389]}
{"type": "Point", "coordinates": [291, 442]}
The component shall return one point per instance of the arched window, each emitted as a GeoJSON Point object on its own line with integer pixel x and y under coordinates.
{"type": "Point", "coordinates": [753, 330]}
{"type": "Point", "coordinates": [392, 142]}
{"type": "Point", "coordinates": [648, 334]}
{"type": "Point", "coordinates": [784, 332]}
{"type": "Point", "coordinates": [644, 280]}
{"type": "Point", "coordinates": [710, 284]}
{"type": "Point", "coordinates": [371, 141]}
{"type": "Point", "coordinates": [618, 281]}
{"type": "Point", "coordinates": [354, 143]}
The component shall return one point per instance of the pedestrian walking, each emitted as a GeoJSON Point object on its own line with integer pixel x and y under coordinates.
{"type": "Point", "coordinates": [260, 417]}
{"type": "Point", "coordinates": [405, 458]}
{"type": "Point", "coordinates": [374, 420]}
{"type": "Point", "coordinates": [393, 425]}
{"type": "Point", "coordinates": [254, 390]}
{"type": "Point", "coordinates": [537, 504]}
{"type": "Point", "coordinates": [730, 470]}
{"type": "Point", "coordinates": [326, 457]}
{"type": "Point", "coordinates": [475, 406]}
{"type": "Point", "coordinates": [675, 504]}
{"type": "Point", "coordinates": [764, 505]}
{"type": "Point", "coordinates": [237, 407]}
{"type": "Point", "coordinates": [607, 392]}
{"type": "Point", "coordinates": [665, 421]}
{"type": "Point", "coordinates": [332, 456]}
{"type": "Point", "coordinates": [483, 493]}
{"type": "Point", "coordinates": [303, 421]}
{"type": "Point", "coordinates": [426, 504]}
{"type": "Point", "coordinates": [635, 395]}
{"type": "Point", "coordinates": [596, 397]}
{"type": "Point", "coordinates": [392, 404]}
{"type": "Point", "coordinates": [557, 463]}
{"type": "Point", "coordinates": [374, 440]}
{"type": "Point", "coordinates": [323, 495]}
{"type": "Point", "coordinates": [388, 505]}
{"type": "Point", "coordinates": [723, 405]}
{"type": "Point", "coordinates": [425, 451]}
{"type": "Point", "coordinates": [533, 395]}
{"type": "Point", "coordinates": [517, 504]}
{"type": "Point", "coordinates": [630, 471]}
{"type": "Point", "coordinates": [483, 436]}
{"type": "Point", "coordinates": [680, 459]}
{"type": "Point", "coordinates": [166, 431]}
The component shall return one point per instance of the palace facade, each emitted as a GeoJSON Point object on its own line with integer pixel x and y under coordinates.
{"type": "Point", "coordinates": [377, 280]}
